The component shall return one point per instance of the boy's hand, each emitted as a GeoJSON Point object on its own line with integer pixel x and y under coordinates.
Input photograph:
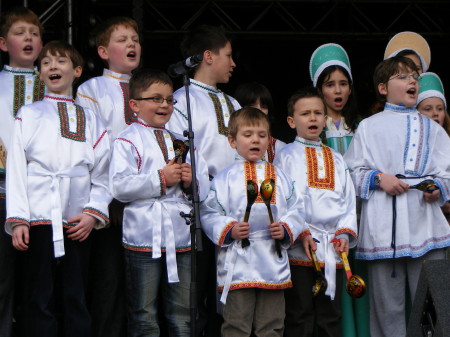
{"type": "Point", "coordinates": [276, 231]}
{"type": "Point", "coordinates": [392, 185]}
{"type": "Point", "coordinates": [21, 237]}
{"type": "Point", "coordinates": [240, 230]}
{"type": "Point", "coordinates": [84, 227]}
{"type": "Point", "coordinates": [340, 245]}
{"type": "Point", "coordinates": [431, 197]}
{"type": "Point", "coordinates": [186, 175]}
{"type": "Point", "coordinates": [172, 172]}
{"type": "Point", "coordinates": [307, 242]}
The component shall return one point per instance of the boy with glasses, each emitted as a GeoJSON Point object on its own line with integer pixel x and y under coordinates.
{"type": "Point", "coordinates": [392, 153]}
{"type": "Point", "coordinates": [148, 175]}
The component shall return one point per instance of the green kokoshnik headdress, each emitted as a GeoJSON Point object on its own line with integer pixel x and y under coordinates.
{"type": "Point", "coordinates": [431, 86]}
{"type": "Point", "coordinates": [326, 55]}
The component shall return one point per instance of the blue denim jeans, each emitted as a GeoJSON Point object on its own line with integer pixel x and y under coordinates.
{"type": "Point", "coordinates": [147, 284]}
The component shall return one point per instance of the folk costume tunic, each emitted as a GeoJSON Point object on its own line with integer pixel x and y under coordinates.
{"type": "Point", "coordinates": [258, 265]}
{"type": "Point", "coordinates": [322, 178]}
{"type": "Point", "coordinates": [152, 221]}
{"type": "Point", "coordinates": [399, 140]}
{"type": "Point", "coordinates": [338, 138]}
{"type": "Point", "coordinates": [19, 87]}
{"type": "Point", "coordinates": [108, 97]}
{"type": "Point", "coordinates": [211, 110]}
{"type": "Point", "coordinates": [57, 167]}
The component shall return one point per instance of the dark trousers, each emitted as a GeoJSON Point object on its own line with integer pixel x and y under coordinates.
{"type": "Point", "coordinates": [50, 281]}
{"type": "Point", "coordinates": [209, 321]}
{"type": "Point", "coordinates": [7, 272]}
{"type": "Point", "coordinates": [107, 278]}
{"type": "Point", "coordinates": [304, 311]}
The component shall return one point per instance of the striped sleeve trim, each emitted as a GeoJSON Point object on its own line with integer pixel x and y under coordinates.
{"type": "Point", "coordinates": [96, 213]}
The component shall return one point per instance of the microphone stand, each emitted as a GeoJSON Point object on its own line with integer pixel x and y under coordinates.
{"type": "Point", "coordinates": [193, 218]}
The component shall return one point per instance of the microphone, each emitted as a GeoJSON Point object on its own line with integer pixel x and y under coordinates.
{"type": "Point", "coordinates": [182, 67]}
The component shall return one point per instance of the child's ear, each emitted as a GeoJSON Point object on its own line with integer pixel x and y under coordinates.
{"type": "Point", "coordinates": [78, 71]}
{"type": "Point", "coordinates": [133, 105]}
{"type": "Point", "coordinates": [382, 89]}
{"type": "Point", "coordinates": [232, 141]}
{"type": "Point", "coordinates": [290, 121]}
{"type": "Point", "coordinates": [207, 56]}
{"type": "Point", "coordinates": [103, 52]}
{"type": "Point", "coordinates": [3, 46]}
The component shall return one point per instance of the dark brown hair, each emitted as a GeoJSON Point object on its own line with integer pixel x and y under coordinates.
{"type": "Point", "coordinates": [388, 68]}
{"type": "Point", "coordinates": [203, 38]}
{"type": "Point", "coordinates": [144, 78]}
{"type": "Point", "coordinates": [307, 92]}
{"type": "Point", "coordinates": [61, 48]}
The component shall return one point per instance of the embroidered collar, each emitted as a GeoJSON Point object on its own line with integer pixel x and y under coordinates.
{"type": "Point", "coordinates": [143, 123]}
{"type": "Point", "coordinates": [308, 142]}
{"type": "Point", "coordinates": [59, 98]}
{"type": "Point", "coordinates": [20, 71]}
{"type": "Point", "coordinates": [205, 86]}
{"type": "Point", "coordinates": [399, 108]}
{"type": "Point", "coordinates": [116, 76]}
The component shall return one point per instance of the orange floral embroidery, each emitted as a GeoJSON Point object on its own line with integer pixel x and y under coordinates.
{"type": "Point", "coordinates": [261, 285]}
{"type": "Point", "coordinates": [313, 168]}
{"type": "Point", "coordinates": [250, 174]}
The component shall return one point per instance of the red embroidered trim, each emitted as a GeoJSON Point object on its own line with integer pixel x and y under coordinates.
{"type": "Point", "coordinates": [225, 231]}
{"type": "Point", "coordinates": [222, 129]}
{"type": "Point", "coordinates": [127, 112]}
{"type": "Point", "coordinates": [313, 176]}
{"type": "Point", "coordinates": [71, 100]}
{"type": "Point", "coordinates": [162, 144]}
{"type": "Point", "coordinates": [291, 235]}
{"type": "Point", "coordinates": [261, 285]}
{"type": "Point", "coordinates": [101, 137]}
{"type": "Point", "coordinates": [306, 232]}
{"type": "Point", "coordinates": [93, 211]}
{"type": "Point", "coordinates": [80, 134]}
{"type": "Point", "coordinates": [38, 89]}
{"type": "Point", "coordinates": [19, 93]}
{"type": "Point", "coordinates": [271, 149]}
{"type": "Point", "coordinates": [18, 220]}
{"type": "Point", "coordinates": [162, 181]}
{"type": "Point", "coordinates": [250, 174]}
{"type": "Point", "coordinates": [345, 230]}
{"type": "Point", "coordinates": [139, 163]}
{"type": "Point", "coordinates": [307, 263]}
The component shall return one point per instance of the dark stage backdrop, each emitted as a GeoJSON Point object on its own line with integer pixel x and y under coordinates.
{"type": "Point", "coordinates": [272, 40]}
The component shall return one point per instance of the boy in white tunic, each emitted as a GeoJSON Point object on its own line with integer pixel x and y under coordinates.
{"type": "Point", "coordinates": [322, 178]}
{"type": "Point", "coordinates": [20, 37]}
{"type": "Point", "coordinates": [401, 226]}
{"type": "Point", "coordinates": [57, 182]}
{"type": "Point", "coordinates": [117, 41]}
{"type": "Point", "coordinates": [252, 276]}
{"type": "Point", "coordinates": [147, 175]}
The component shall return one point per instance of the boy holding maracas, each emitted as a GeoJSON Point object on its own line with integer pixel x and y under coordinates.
{"type": "Point", "coordinates": [252, 277]}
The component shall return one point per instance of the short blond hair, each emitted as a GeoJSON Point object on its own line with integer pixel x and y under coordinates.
{"type": "Point", "coordinates": [247, 116]}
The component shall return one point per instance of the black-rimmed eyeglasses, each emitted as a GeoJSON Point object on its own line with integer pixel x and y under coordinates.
{"type": "Point", "coordinates": [158, 99]}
